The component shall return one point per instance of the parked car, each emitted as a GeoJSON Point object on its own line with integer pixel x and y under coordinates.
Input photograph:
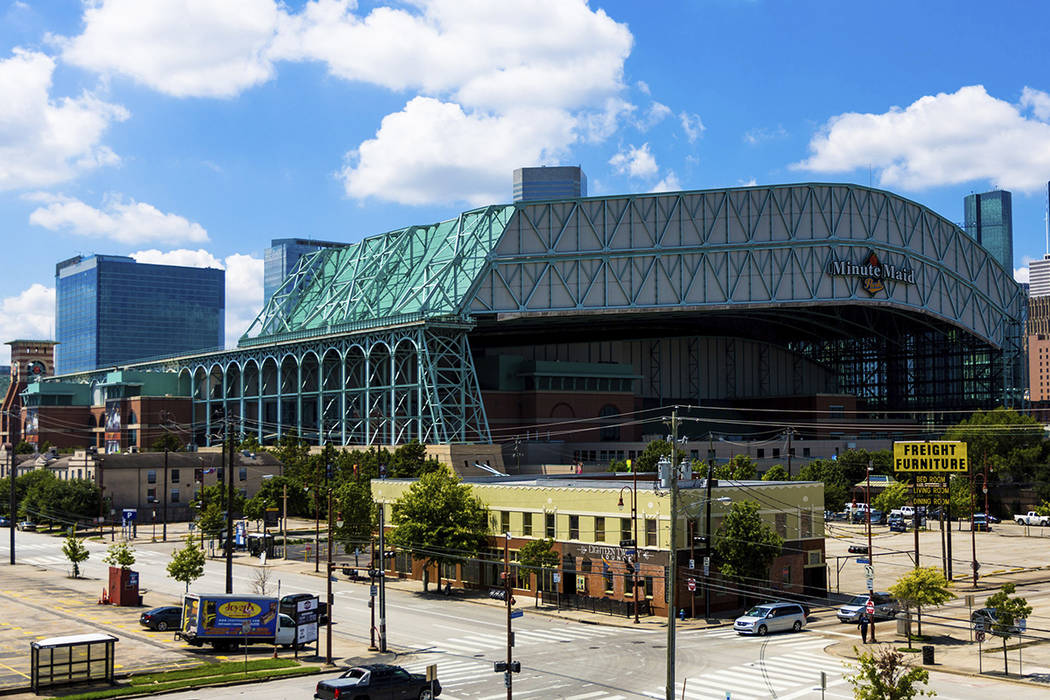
{"type": "Point", "coordinates": [163, 618]}
{"type": "Point", "coordinates": [771, 617]}
{"type": "Point", "coordinates": [980, 523]}
{"type": "Point", "coordinates": [886, 607]}
{"type": "Point", "coordinates": [897, 523]}
{"type": "Point", "coordinates": [26, 526]}
{"type": "Point", "coordinates": [877, 517]}
{"type": "Point", "coordinates": [377, 682]}
{"type": "Point", "coordinates": [4, 521]}
{"type": "Point", "coordinates": [288, 604]}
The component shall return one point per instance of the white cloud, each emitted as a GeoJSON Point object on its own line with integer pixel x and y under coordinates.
{"type": "Point", "coordinates": [29, 314]}
{"type": "Point", "coordinates": [635, 162]}
{"type": "Point", "coordinates": [644, 87]}
{"type": "Point", "coordinates": [185, 48]}
{"type": "Point", "coordinates": [434, 151]}
{"type": "Point", "coordinates": [1021, 274]}
{"type": "Point", "coordinates": [244, 282]}
{"type": "Point", "coordinates": [940, 140]}
{"type": "Point", "coordinates": [750, 182]}
{"type": "Point", "coordinates": [1038, 101]}
{"type": "Point", "coordinates": [669, 183]}
{"type": "Point", "coordinates": [125, 221]}
{"type": "Point", "coordinates": [495, 66]}
{"type": "Point", "coordinates": [760, 134]}
{"type": "Point", "coordinates": [691, 125]}
{"type": "Point", "coordinates": [656, 113]}
{"type": "Point", "coordinates": [43, 140]}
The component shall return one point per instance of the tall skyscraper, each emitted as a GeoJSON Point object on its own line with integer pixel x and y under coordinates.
{"type": "Point", "coordinates": [561, 182]}
{"type": "Point", "coordinates": [283, 255]}
{"type": "Point", "coordinates": [110, 309]}
{"type": "Point", "coordinates": [989, 221]}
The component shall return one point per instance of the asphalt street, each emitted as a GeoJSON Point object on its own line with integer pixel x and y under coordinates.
{"type": "Point", "coordinates": [560, 658]}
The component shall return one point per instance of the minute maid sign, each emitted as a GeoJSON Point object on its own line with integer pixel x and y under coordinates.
{"type": "Point", "coordinates": [872, 273]}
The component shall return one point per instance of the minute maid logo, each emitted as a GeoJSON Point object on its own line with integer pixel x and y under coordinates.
{"type": "Point", "coordinates": [872, 273]}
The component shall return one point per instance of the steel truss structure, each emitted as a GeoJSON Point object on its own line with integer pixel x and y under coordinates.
{"type": "Point", "coordinates": [369, 344]}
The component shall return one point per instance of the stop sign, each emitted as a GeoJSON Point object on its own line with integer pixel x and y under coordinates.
{"type": "Point", "coordinates": [692, 585]}
{"type": "Point", "coordinates": [870, 607]}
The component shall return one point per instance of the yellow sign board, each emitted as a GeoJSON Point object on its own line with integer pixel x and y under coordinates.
{"type": "Point", "coordinates": [930, 456]}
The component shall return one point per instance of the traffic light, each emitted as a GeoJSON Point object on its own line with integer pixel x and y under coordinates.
{"type": "Point", "coordinates": [500, 666]}
{"type": "Point", "coordinates": [503, 667]}
{"type": "Point", "coordinates": [700, 540]}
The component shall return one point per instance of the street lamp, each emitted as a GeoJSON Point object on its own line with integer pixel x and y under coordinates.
{"type": "Point", "coordinates": [634, 527]}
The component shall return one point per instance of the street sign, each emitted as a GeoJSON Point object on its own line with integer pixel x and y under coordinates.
{"type": "Point", "coordinates": [869, 607]}
{"type": "Point", "coordinates": [692, 563]}
{"type": "Point", "coordinates": [432, 673]}
{"type": "Point", "coordinates": [373, 590]}
{"type": "Point", "coordinates": [978, 625]}
{"type": "Point", "coordinates": [707, 566]}
{"type": "Point", "coordinates": [869, 583]}
{"type": "Point", "coordinates": [863, 561]}
{"type": "Point", "coordinates": [556, 577]}
{"type": "Point", "coordinates": [1022, 624]}
{"type": "Point", "coordinates": [516, 613]}
{"type": "Point", "coordinates": [692, 585]}
{"type": "Point", "coordinates": [869, 571]}
{"type": "Point", "coordinates": [823, 681]}
{"type": "Point", "coordinates": [979, 636]}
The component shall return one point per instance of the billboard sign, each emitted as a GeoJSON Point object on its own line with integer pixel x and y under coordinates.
{"type": "Point", "coordinates": [930, 456]}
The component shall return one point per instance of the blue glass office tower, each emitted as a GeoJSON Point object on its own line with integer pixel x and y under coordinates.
{"type": "Point", "coordinates": [558, 182]}
{"type": "Point", "coordinates": [110, 309]}
{"type": "Point", "coordinates": [989, 221]}
{"type": "Point", "coordinates": [283, 255]}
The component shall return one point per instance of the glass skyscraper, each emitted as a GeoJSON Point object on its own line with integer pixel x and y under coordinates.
{"type": "Point", "coordinates": [110, 309]}
{"type": "Point", "coordinates": [556, 182]}
{"type": "Point", "coordinates": [283, 255]}
{"type": "Point", "coordinates": [989, 221]}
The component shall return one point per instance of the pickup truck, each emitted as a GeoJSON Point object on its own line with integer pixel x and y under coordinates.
{"type": "Point", "coordinates": [227, 621]}
{"type": "Point", "coordinates": [1032, 518]}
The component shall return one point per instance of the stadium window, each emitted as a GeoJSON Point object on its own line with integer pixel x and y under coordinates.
{"type": "Point", "coordinates": [599, 529]}
{"type": "Point", "coordinates": [574, 527]}
{"type": "Point", "coordinates": [551, 531]}
{"type": "Point", "coordinates": [625, 529]}
{"type": "Point", "coordinates": [526, 524]}
{"type": "Point", "coordinates": [805, 452]}
{"type": "Point", "coordinates": [504, 521]}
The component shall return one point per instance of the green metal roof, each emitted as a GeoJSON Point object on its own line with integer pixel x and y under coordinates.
{"type": "Point", "coordinates": [408, 275]}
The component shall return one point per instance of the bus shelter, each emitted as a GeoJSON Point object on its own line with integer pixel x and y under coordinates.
{"type": "Point", "coordinates": [79, 658]}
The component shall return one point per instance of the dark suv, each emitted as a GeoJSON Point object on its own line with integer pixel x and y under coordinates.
{"type": "Point", "coordinates": [378, 682]}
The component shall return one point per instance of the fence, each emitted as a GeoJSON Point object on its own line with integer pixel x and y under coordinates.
{"type": "Point", "coordinates": [606, 606]}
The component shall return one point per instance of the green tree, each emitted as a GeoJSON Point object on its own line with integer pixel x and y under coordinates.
{"type": "Point", "coordinates": [216, 495]}
{"type": "Point", "coordinates": [746, 546]}
{"type": "Point", "coordinates": [924, 585]}
{"type": "Point", "coordinates": [833, 476]}
{"type": "Point", "coordinates": [24, 448]}
{"type": "Point", "coordinates": [36, 481]}
{"type": "Point", "coordinates": [120, 554]}
{"type": "Point", "coordinates": [1008, 610]}
{"type": "Point", "coordinates": [893, 497]}
{"type": "Point", "coordinates": [776, 473]}
{"type": "Point", "coordinates": [884, 674]}
{"type": "Point", "coordinates": [211, 520]}
{"type": "Point", "coordinates": [618, 465]}
{"type": "Point", "coordinates": [653, 453]}
{"type": "Point", "coordinates": [167, 441]}
{"type": "Point", "coordinates": [1011, 444]}
{"type": "Point", "coordinates": [739, 468]}
{"type": "Point", "coordinates": [440, 519]}
{"type": "Point", "coordinates": [540, 557]}
{"type": "Point", "coordinates": [355, 504]}
{"type": "Point", "coordinates": [187, 563]}
{"type": "Point", "coordinates": [75, 552]}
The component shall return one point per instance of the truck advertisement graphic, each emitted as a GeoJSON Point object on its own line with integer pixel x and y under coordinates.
{"type": "Point", "coordinates": [221, 616]}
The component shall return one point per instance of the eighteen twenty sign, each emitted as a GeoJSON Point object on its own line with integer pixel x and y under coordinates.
{"type": "Point", "coordinates": [872, 273]}
{"type": "Point", "coordinates": [942, 456]}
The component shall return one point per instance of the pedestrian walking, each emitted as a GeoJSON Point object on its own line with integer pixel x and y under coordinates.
{"type": "Point", "coordinates": [863, 624]}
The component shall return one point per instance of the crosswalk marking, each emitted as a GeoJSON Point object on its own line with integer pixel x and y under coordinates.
{"type": "Point", "coordinates": [475, 643]}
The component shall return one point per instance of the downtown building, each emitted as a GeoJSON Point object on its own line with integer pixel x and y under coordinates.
{"type": "Point", "coordinates": [110, 310]}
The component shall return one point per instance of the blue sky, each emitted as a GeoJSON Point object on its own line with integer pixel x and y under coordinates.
{"type": "Point", "coordinates": [194, 131]}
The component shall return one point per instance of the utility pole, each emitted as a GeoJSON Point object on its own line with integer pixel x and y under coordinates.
{"type": "Point", "coordinates": [164, 506]}
{"type": "Point", "coordinates": [328, 627]}
{"type": "Point", "coordinates": [634, 527]}
{"type": "Point", "coordinates": [948, 529]}
{"type": "Point", "coordinates": [11, 512]}
{"type": "Point", "coordinates": [871, 553]}
{"type": "Point", "coordinates": [508, 676]}
{"type": "Point", "coordinates": [284, 522]}
{"type": "Point", "coordinates": [382, 582]}
{"type": "Point", "coordinates": [672, 578]}
{"type": "Point", "coordinates": [372, 596]}
{"type": "Point", "coordinates": [790, 431]}
{"type": "Point", "coordinates": [317, 525]}
{"type": "Point", "coordinates": [229, 506]}
{"type": "Point", "coordinates": [707, 543]}
{"type": "Point", "coordinates": [973, 533]}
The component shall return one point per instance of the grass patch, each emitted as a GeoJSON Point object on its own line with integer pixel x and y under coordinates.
{"type": "Point", "coordinates": [225, 672]}
{"type": "Point", "coordinates": [910, 650]}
